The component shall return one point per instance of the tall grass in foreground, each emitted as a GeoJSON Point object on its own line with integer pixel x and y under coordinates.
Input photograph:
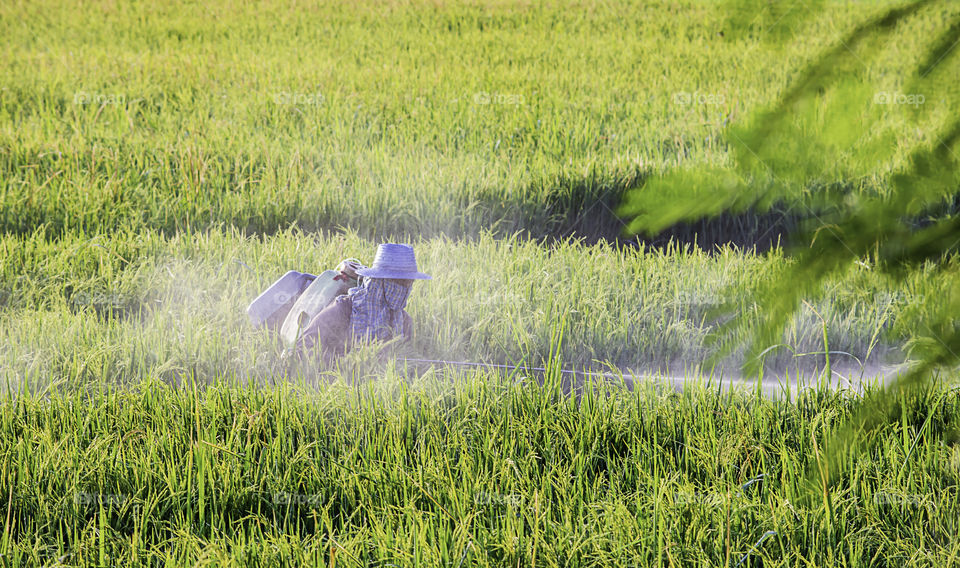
{"type": "Point", "coordinates": [481, 469]}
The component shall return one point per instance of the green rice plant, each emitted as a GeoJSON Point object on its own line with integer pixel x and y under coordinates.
{"type": "Point", "coordinates": [81, 309]}
{"type": "Point", "coordinates": [475, 467]}
{"type": "Point", "coordinates": [488, 117]}
{"type": "Point", "coordinates": [161, 164]}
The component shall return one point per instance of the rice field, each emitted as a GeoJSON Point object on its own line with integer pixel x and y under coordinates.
{"type": "Point", "coordinates": [465, 469]}
{"type": "Point", "coordinates": [161, 164]}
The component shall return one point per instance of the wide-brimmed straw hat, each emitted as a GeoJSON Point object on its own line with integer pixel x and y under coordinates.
{"type": "Point", "coordinates": [394, 261]}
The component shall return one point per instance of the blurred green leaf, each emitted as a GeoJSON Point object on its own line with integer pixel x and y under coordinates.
{"type": "Point", "coordinates": [864, 145]}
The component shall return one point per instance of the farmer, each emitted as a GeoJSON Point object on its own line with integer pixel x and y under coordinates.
{"type": "Point", "coordinates": [374, 309]}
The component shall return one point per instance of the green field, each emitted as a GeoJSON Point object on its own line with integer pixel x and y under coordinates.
{"type": "Point", "coordinates": [161, 164]}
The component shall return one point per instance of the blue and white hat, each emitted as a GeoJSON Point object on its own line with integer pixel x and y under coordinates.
{"type": "Point", "coordinates": [394, 261]}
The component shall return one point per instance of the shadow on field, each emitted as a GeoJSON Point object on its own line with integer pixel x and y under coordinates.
{"type": "Point", "coordinates": [585, 208]}
{"type": "Point", "coordinates": [565, 202]}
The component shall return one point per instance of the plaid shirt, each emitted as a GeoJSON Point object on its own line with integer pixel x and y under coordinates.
{"type": "Point", "coordinates": [377, 309]}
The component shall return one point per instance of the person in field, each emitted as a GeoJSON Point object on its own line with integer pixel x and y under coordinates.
{"type": "Point", "coordinates": [373, 310]}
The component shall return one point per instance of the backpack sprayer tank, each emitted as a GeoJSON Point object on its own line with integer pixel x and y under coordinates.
{"type": "Point", "coordinates": [270, 308]}
{"type": "Point", "coordinates": [294, 299]}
